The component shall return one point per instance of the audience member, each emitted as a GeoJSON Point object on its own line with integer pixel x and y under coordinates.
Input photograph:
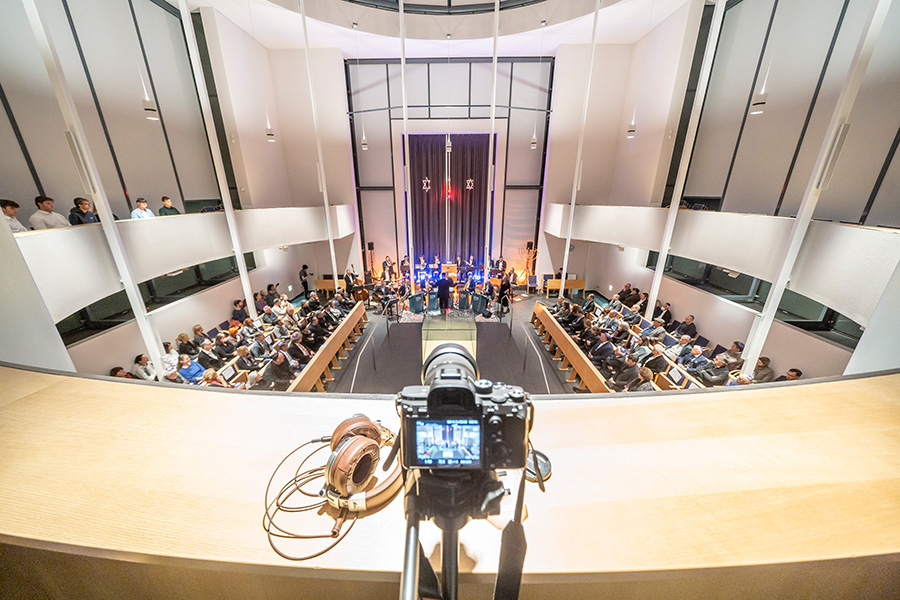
{"type": "Point", "coordinates": [81, 213]}
{"type": "Point", "coordinates": [211, 378]}
{"type": "Point", "coordinates": [44, 217]}
{"type": "Point", "coordinates": [272, 294]}
{"type": "Point", "coordinates": [249, 331]}
{"type": "Point", "coordinates": [190, 370]}
{"type": "Point", "coordinates": [120, 372]}
{"type": "Point", "coordinates": [259, 301]}
{"type": "Point", "coordinates": [10, 208]}
{"type": "Point", "coordinates": [641, 305]}
{"type": "Point", "coordinates": [246, 362]}
{"type": "Point", "coordinates": [624, 292]}
{"type": "Point", "coordinates": [626, 376]}
{"type": "Point", "coordinates": [615, 304]}
{"type": "Point", "coordinates": [687, 328]}
{"type": "Point", "coordinates": [664, 313]}
{"type": "Point", "coordinates": [656, 362]}
{"type": "Point", "coordinates": [281, 332]}
{"type": "Point", "coordinates": [142, 368]}
{"type": "Point", "coordinates": [763, 373]}
{"type": "Point", "coordinates": [602, 350]}
{"type": "Point", "coordinates": [207, 358]}
{"type": "Point", "coordinates": [644, 382]}
{"type": "Point", "coordinates": [167, 208]}
{"type": "Point", "coordinates": [170, 355]}
{"type": "Point", "coordinates": [683, 346]}
{"type": "Point", "coordinates": [791, 375]}
{"type": "Point", "coordinates": [199, 335]}
{"type": "Point", "coordinates": [693, 361]}
{"type": "Point", "coordinates": [239, 314]}
{"type": "Point", "coordinates": [171, 375]}
{"type": "Point", "coordinates": [268, 317]}
{"type": "Point", "coordinates": [279, 372]}
{"type": "Point", "coordinates": [260, 349]}
{"type": "Point", "coordinates": [640, 348]}
{"type": "Point", "coordinates": [656, 332]}
{"type": "Point", "coordinates": [224, 347]}
{"type": "Point", "coordinates": [713, 372]}
{"type": "Point", "coordinates": [733, 356]}
{"type": "Point", "coordinates": [142, 212]}
{"type": "Point", "coordinates": [186, 346]}
{"type": "Point", "coordinates": [741, 380]}
{"type": "Point", "coordinates": [279, 307]}
{"type": "Point", "coordinates": [298, 351]}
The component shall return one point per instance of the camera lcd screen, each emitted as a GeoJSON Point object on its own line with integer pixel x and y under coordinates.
{"type": "Point", "coordinates": [448, 443]}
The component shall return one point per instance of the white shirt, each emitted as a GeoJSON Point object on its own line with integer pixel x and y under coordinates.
{"type": "Point", "coordinates": [171, 359]}
{"type": "Point", "coordinates": [142, 214]}
{"type": "Point", "coordinates": [141, 372]}
{"type": "Point", "coordinates": [42, 219]}
{"type": "Point", "coordinates": [15, 225]}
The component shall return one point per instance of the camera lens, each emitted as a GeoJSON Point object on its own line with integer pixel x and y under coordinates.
{"type": "Point", "coordinates": [448, 360]}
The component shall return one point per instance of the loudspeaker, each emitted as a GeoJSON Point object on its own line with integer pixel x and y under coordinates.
{"type": "Point", "coordinates": [355, 453]}
{"type": "Point", "coordinates": [530, 245]}
{"type": "Point", "coordinates": [371, 246]}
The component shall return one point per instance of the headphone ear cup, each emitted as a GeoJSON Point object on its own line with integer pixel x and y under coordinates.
{"type": "Point", "coordinates": [357, 425]}
{"type": "Point", "coordinates": [352, 464]}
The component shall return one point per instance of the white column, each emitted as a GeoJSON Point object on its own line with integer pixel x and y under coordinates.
{"type": "Point", "coordinates": [320, 166]}
{"type": "Point", "coordinates": [576, 179]}
{"type": "Point", "coordinates": [709, 55]}
{"type": "Point", "coordinates": [490, 182]}
{"type": "Point", "coordinates": [405, 138]}
{"type": "Point", "coordinates": [90, 176]}
{"type": "Point", "coordinates": [30, 335]}
{"type": "Point", "coordinates": [821, 173]}
{"type": "Point", "coordinates": [218, 164]}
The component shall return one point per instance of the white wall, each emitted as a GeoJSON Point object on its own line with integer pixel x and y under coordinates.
{"type": "Point", "coordinates": [877, 348]}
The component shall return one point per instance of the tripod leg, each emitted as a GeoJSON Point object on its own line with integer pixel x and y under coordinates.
{"type": "Point", "coordinates": [409, 580]}
{"type": "Point", "coordinates": [450, 563]}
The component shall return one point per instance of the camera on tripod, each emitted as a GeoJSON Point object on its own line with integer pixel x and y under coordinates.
{"type": "Point", "coordinates": [457, 421]}
{"type": "Point", "coordinates": [456, 431]}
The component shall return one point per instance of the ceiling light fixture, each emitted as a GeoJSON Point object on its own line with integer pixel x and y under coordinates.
{"type": "Point", "coordinates": [150, 110]}
{"type": "Point", "coordinates": [270, 134]}
{"type": "Point", "coordinates": [758, 104]}
{"type": "Point", "coordinates": [629, 133]}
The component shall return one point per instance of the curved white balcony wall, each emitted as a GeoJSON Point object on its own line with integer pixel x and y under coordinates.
{"type": "Point", "coordinates": [846, 267]}
{"type": "Point", "coordinates": [165, 244]}
{"type": "Point", "coordinates": [72, 267]}
{"type": "Point", "coordinates": [751, 244]}
{"type": "Point", "coordinates": [271, 227]}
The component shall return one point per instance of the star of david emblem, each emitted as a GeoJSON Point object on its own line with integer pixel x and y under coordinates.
{"type": "Point", "coordinates": [470, 184]}
{"type": "Point", "coordinates": [426, 184]}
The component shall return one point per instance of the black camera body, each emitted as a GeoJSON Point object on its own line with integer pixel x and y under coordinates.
{"type": "Point", "coordinates": [461, 422]}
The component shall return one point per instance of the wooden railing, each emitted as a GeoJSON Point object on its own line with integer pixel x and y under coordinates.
{"type": "Point", "coordinates": [571, 284]}
{"type": "Point", "coordinates": [327, 358]}
{"type": "Point", "coordinates": [567, 351]}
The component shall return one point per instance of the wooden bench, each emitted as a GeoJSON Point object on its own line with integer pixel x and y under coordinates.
{"type": "Point", "coordinates": [327, 286]}
{"type": "Point", "coordinates": [327, 358]}
{"type": "Point", "coordinates": [571, 284]}
{"type": "Point", "coordinates": [567, 351]}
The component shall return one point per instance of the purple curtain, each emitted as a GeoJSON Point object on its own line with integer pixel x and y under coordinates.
{"type": "Point", "coordinates": [467, 194]}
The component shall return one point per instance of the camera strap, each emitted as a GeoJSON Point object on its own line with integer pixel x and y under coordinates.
{"type": "Point", "coordinates": [429, 588]}
{"type": "Point", "coordinates": [512, 552]}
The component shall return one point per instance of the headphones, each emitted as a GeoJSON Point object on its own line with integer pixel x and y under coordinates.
{"type": "Point", "coordinates": [355, 453]}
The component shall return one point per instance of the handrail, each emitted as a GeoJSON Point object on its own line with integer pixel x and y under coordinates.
{"type": "Point", "coordinates": [568, 352]}
{"type": "Point", "coordinates": [328, 356]}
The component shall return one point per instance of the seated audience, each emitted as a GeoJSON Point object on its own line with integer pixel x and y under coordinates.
{"type": "Point", "coordinates": [249, 331]}
{"type": "Point", "coordinates": [674, 351]}
{"type": "Point", "coordinates": [656, 332]}
{"type": "Point", "coordinates": [644, 382]}
{"type": "Point", "coordinates": [186, 346]}
{"type": "Point", "coordinates": [624, 292]}
{"type": "Point", "coordinates": [279, 372]}
{"type": "Point", "coordinates": [279, 308]}
{"type": "Point", "coordinates": [791, 375]}
{"type": "Point", "coordinates": [120, 372]}
{"type": "Point", "coordinates": [298, 351]}
{"type": "Point", "coordinates": [239, 314]}
{"type": "Point", "coordinates": [81, 213]}
{"type": "Point", "coordinates": [655, 361]}
{"type": "Point", "coordinates": [272, 294]}
{"type": "Point", "coordinates": [686, 328]}
{"type": "Point", "coordinates": [763, 373]}
{"type": "Point", "coordinates": [713, 372]}
{"type": "Point", "coordinates": [268, 317]}
{"type": "Point", "coordinates": [207, 358]}
{"type": "Point", "coordinates": [190, 370]}
{"type": "Point", "coordinates": [171, 375]}
{"type": "Point", "coordinates": [281, 332]}
{"type": "Point", "coordinates": [44, 217]}
{"type": "Point", "coordinates": [224, 347]}
{"type": "Point", "coordinates": [733, 356]}
{"type": "Point", "coordinates": [693, 361]}
{"type": "Point", "coordinates": [212, 379]}
{"type": "Point", "coordinates": [199, 336]}
{"type": "Point", "coordinates": [663, 312]}
{"type": "Point", "coordinates": [10, 208]}
{"type": "Point", "coordinates": [246, 362]}
{"type": "Point", "coordinates": [641, 305]}
{"type": "Point", "coordinates": [142, 368]}
{"type": "Point", "coordinates": [640, 347]}
{"type": "Point", "coordinates": [167, 210]}
{"type": "Point", "coordinates": [601, 350]}
{"type": "Point", "coordinates": [741, 380]}
{"type": "Point", "coordinates": [170, 355]}
{"type": "Point", "coordinates": [615, 304]}
{"type": "Point", "coordinates": [260, 349]}
{"type": "Point", "coordinates": [142, 212]}
{"type": "Point", "coordinates": [626, 376]}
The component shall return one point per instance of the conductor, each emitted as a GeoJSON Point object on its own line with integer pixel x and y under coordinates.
{"type": "Point", "coordinates": [443, 292]}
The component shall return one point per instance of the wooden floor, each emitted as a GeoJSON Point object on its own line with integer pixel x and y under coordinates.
{"type": "Point", "coordinates": [790, 491]}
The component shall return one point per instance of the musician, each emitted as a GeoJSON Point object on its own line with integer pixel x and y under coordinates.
{"type": "Point", "coordinates": [470, 284]}
{"type": "Point", "coordinates": [422, 265]}
{"type": "Point", "coordinates": [488, 289]}
{"type": "Point", "coordinates": [460, 264]}
{"type": "Point", "coordinates": [404, 266]}
{"type": "Point", "coordinates": [503, 294]}
{"type": "Point", "coordinates": [501, 264]}
{"type": "Point", "coordinates": [513, 278]}
{"type": "Point", "coordinates": [387, 266]}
